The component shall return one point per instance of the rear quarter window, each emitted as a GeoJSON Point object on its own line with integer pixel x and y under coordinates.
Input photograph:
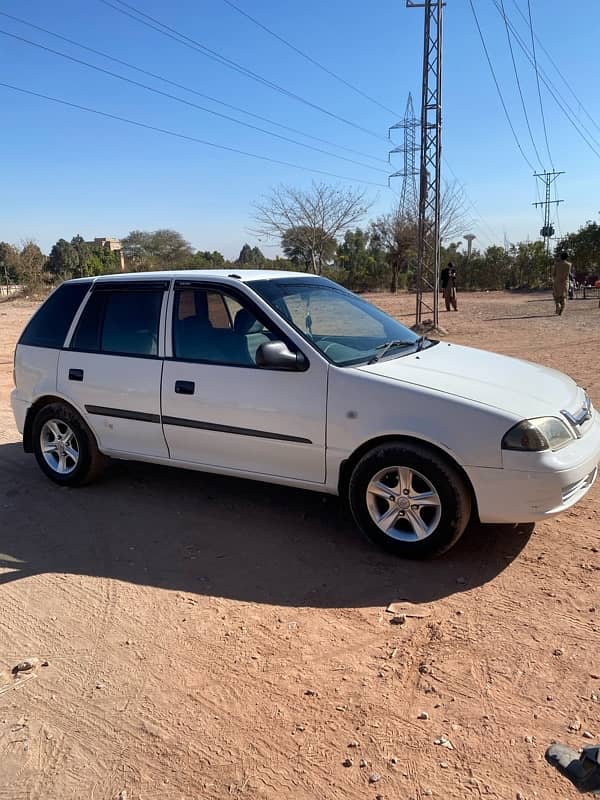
{"type": "Point", "coordinates": [50, 324]}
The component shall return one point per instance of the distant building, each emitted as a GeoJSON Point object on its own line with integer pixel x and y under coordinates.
{"type": "Point", "coordinates": [114, 245]}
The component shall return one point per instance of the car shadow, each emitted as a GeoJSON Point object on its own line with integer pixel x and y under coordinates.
{"type": "Point", "coordinates": [224, 537]}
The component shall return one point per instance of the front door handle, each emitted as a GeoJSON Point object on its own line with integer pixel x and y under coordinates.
{"type": "Point", "coordinates": [185, 387]}
{"type": "Point", "coordinates": [75, 374]}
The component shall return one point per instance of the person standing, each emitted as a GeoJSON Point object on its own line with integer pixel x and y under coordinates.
{"type": "Point", "coordinates": [560, 282]}
{"type": "Point", "coordinates": [448, 280]}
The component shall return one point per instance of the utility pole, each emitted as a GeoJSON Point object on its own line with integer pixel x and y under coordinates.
{"type": "Point", "coordinates": [409, 200]}
{"type": "Point", "coordinates": [428, 262]}
{"type": "Point", "coordinates": [547, 232]}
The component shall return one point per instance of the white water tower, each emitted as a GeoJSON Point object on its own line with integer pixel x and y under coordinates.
{"type": "Point", "coordinates": [469, 237]}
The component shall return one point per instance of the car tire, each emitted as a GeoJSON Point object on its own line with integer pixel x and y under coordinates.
{"type": "Point", "coordinates": [64, 446]}
{"type": "Point", "coordinates": [409, 500]}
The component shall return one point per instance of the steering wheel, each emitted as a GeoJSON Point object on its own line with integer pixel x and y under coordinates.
{"type": "Point", "coordinates": [325, 348]}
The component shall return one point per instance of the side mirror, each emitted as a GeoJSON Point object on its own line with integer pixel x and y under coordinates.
{"type": "Point", "coordinates": [277, 355]}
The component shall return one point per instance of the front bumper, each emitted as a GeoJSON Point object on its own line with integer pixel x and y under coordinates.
{"type": "Point", "coordinates": [534, 486]}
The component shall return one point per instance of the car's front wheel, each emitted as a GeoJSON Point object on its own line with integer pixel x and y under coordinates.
{"type": "Point", "coordinates": [408, 499]}
{"type": "Point", "coordinates": [64, 446]}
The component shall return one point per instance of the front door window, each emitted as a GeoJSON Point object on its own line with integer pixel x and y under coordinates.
{"type": "Point", "coordinates": [214, 328]}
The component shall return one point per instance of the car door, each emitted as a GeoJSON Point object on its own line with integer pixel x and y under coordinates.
{"type": "Point", "coordinates": [220, 409]}
{"type": "Point", "coordinates": [111, 367]}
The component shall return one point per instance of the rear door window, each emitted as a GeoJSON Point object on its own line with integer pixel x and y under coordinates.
{"type": "Point", "coordinates": [51, 323]}
{"type": "Point", "coordinates": [120, 323]}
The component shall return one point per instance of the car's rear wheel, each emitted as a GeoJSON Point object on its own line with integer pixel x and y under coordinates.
{"type": "Point", "coordinates": [409, 500]}
{"type": "Point", "coordinates": [64, 446]}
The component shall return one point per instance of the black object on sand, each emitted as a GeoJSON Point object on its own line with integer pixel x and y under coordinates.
{"type": "Point", "coordinates": [582, 769]}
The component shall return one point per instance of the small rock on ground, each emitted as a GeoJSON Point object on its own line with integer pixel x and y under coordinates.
{"type": "Point", "coordinates": [25, 665]}
{"type": "Point", "coordinates": [442, 741]}
{"type": "Point", "coordinates": [374, 777]}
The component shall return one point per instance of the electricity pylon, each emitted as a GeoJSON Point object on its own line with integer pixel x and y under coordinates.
{"type": "Point", "coordinates": [547, 232]}
{"type": "Point", "coordinates": [409, 201]}
{"type": "Point", "coordinates": [428, 263]}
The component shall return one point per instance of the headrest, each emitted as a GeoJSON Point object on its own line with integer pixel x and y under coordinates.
{"type": "Point", "coordinates": [245, 322]}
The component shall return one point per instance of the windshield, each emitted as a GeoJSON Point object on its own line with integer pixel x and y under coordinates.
{"type": "Point", "coordinates": [345, 328]}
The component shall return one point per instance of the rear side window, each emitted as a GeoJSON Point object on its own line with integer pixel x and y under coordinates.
{"type": "Point", "coordinates": [121, 323]}
{"type": "Point", "coordinates": [50, 325]}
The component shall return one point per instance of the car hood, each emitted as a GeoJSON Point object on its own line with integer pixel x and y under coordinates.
{"type": "Point", "coordinates": [510, 384]}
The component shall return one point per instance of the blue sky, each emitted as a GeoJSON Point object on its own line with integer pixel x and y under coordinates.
{"type": "Point", "coordinates": [68, 172]}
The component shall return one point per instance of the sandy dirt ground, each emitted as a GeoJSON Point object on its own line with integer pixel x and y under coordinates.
{"type": "Point", "coordinates": [217, 638]}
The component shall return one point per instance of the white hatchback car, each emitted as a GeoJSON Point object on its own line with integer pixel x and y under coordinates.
{"type": "Point", "coordinates": [291, 379]}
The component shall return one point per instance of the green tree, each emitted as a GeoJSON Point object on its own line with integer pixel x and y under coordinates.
{"type": "Point", "coordinates": [583, 248]}
{"type": "Point", "coordinates": [361, 262]}
{"type": "Point", "coordinates": [9, 263]}
{"type": "Point", "coordinates": [258, 257]}
{"type": "Point", "coordinates": [251, 257]}
{"type": "Point", "coordinates": [492, 269]}
{"type": "Point", "coordinates": [160, 249]}
{"type": "Point", "coordinates": [396, 235]}
{"type": "Point", "coordinates": [531, 266]}
{"type": "Point", "coordinates": [32, 268]}
{"type": "Point", "coordinates": [63, 261]}
{"type": "Point", "coordinates": [207, 260]}
{"type": "Point", "coordinates": [310, 249]}
{"type": "Point", "coordinates": [82, 252]}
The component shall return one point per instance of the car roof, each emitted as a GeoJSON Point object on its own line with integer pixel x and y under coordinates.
{"type": "Point", "coordinates": [243, 275]}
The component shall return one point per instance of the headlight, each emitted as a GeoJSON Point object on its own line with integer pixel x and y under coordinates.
{"type": "Point", "coordinates": [535, 435]}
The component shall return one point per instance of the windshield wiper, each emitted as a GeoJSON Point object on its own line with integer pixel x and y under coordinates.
{"type": "Point", "coordinates": [386, 346]}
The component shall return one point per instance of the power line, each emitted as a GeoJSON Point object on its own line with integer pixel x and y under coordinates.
{"type": "Point", "coordinates": [308, 58]}
{"type": "Point", "coordinates": [470, 201]}
{"type": "Point", "coordinates": [514, 63]}
{"type": "Point", "coordinates": [185, 136]}
{"type": "Point", "coordinates": [187, 41]}
{"type": "Point", "coordinates": [187, 88]}
{"type": "Point", "coordinates": [187, 102]}
{"type": "Point", "coordinates": [537, 78]}
{"type": "Point", "coordinates": [564, 80]}
{"type": "Point", "coordinates": [491, 66]}
{"type": "Point", "coordinates": [556, 95]}
{"type": "Point", "coordinates": [538, 205]}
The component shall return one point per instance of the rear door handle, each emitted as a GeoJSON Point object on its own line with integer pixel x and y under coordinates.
{"type": "Point", "coordinates": [185, 387]}
{"type": "Point", "coordinates": [75, 374]}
